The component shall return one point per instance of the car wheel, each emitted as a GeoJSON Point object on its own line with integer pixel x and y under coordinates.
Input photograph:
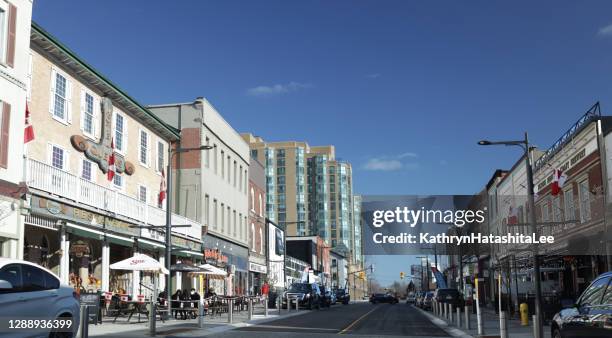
{"type": "Point", "coordinates": [55, 334]}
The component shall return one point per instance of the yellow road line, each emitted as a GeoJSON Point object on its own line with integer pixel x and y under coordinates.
{"type": "Point", "coordinates": [357, 321]}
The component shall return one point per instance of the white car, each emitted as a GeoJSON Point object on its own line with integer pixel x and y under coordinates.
{"type": "Point", "coordinates": [32, 296]}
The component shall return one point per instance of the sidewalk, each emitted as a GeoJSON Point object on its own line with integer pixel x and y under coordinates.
{"type": "Point", "coordinates": [490, 324]}
{"type": "Point", "coordinates": [183, 328]}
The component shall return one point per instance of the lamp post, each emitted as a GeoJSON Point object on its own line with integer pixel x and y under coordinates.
{"type": "Point", "coordinates": [530, 201]}
{"type": "Point", "coordinates": [171, 153]}
{"type": "Point", "coordinates": [424, 276]}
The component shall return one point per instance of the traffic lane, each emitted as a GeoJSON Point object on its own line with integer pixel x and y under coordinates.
{"type": "Point", "coordinates": [396, 320]}
{"type": "Point", "coordinates": [326, 320]}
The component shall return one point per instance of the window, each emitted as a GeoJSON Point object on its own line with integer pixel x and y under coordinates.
{"type": "Point", "coordinates": [568, 201]}
{"type": "Point", "coordinates": [585, 203]}
{"type": "Point", "coordinates": [160, 156]}
{"type": "Point", "coordinates": [12, 274]}
{"type": "Point", "coordinates": [33, 278]}
{"type": "Point", "coordinates": [215, 214]}
{"type": "Point", "coordinates": [557, 211]}
{"type": "Point", "coordinates": [120, 131]}
{"type": "Point", "coordinates": [593, 295]}
{"type": "Point", "coordinates": [207, 210]}
{"type": "Point", "coordinates": [235, 174]}
{"type": "Point", "coordinates": [143, 153]}
{"type": "Point", "coordinates": [207, 153]}
{"type": "Point", "coordinates": [118, 181]}
{"type": "Point", "coordinates": [142, 193]}
{"type": "Point", "coordinates": [61, 97]}
{"type": "Point", "coordinates": [545, 209]}
{"type": "Point", "coordinates": [240, 182]}
{"type": "Point", "coordinates": [3, 32]}
{"type": "Point", "coordinates": [252, 200]}
{"type": "Point", "coordinates": [222, 164]}
{"type": "Point", "coordinates": [252, 237]}
{"type": "Point", "coordinates": [87, 114]}
{"type": "Point", "coordinates": [235, 226]}
{"type": "Point", "coordinates": [261, 251]}
{"type": "Point", "coordinates": [216, 155]}
{"type": "Point", "coordinates": [58, 157]}
{"type": "Point", "coordinates": [222, 216]}
{"type": "Point", "coordinates": [260, 205]}
{"type": "Point", "coordinates": [228, 169]}
{"type": "Point", "coordinates": [86, 170]}
{"type": "Point", "coordinates": [8, 26]}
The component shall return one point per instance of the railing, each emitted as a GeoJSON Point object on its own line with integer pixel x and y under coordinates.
{"type": "Point", "coordinates": [55, 181]}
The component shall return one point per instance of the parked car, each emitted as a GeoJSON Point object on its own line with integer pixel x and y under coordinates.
{"type": "Point", "coordinates": [427, 300]}
{"type": "Point", "coordinates": [28, 290]}
{"type": "Point", "coordinates": [411, 299]}
{"type": "Point", "coordinates": [383, 298]}
{"type": "Point", "coordinates": [452, 296]}
{"type": "Point", "coordinates": [418, 301]}
{"type": "Point", "coordinates": [308, 295]}
{"type": "Point", "coordinates": [590, 316]}
{"type": "Point", "coordinates": [328, 298]}
{"type": "Point", "coordinates": [343, 296]}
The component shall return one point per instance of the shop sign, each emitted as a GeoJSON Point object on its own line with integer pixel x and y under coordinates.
{"type": "Point", "coordinates": [186, 243]}
{"type": "Point", "coordinates": [257, 268]}
{"type": "Point", "coordinates": [53, 208]}
{"type": "Point", "coordinates": [92, 301]}
{"type": "Point", "coordinates": [215, 257]}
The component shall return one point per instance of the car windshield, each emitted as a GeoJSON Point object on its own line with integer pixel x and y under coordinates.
{"type": "Point", "coordinates": [339, 292]}
{"type": "Point", "coordinates": [299, 287]}
{"type": "Point", "coordinates": [379, 295]}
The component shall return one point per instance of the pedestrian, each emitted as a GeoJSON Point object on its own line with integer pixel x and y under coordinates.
{"type": "Point", "coordinates": [175, 304]}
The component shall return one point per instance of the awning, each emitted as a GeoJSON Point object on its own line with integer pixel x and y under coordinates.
{"type": "Point", "coordinates": [187, 253]}
{"type": "Point", "coordinates": [150, 244]}
{"type": "Point", "coordinates": [84, 231]}
{"type": "Point", "coordinates": [140, 262]}
{"type": "Point", "coordinates": [125, 241]}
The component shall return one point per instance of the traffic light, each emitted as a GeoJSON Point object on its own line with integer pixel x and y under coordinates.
{"type": "Point", "coordinates": [362, 275]}
{"type": "Point", "coordinates": [401, 275]}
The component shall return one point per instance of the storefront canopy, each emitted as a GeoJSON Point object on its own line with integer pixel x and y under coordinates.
{"type": "Point", "coordinates": [183, 267]}
{"type": "Point", "coordinates": [140, 262]}
{"type": "Point", "coordinates": [212, 271]}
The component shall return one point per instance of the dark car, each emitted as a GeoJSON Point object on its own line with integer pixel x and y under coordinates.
{"type": "Point", "coordinates": [383, 298]}
{"type": "Point", "coordinates": [591, 316]}
{"type": "Point", "coordinates": [452, 296]}
{"type": "Point", "coordinates": [343, 296]}
{"type": "Point", "coordinates": [327, 298]}
{"type": "Point", "coordinates": [308, 295]}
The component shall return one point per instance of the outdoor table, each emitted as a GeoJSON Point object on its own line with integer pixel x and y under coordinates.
{"type": "Point", "coordinates": [189, 306]}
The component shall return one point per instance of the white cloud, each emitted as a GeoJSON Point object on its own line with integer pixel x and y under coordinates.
{"type": "Point", "coordinates": [277, 89]}
{"type": "Point", "coordinates": [606, 31]}
{"type": "Point", "coordinates": [373, 75]}
{"type": "Point", "coordinates": [377, 164]}
{"type": "Point", "coordinates": [408, 154]}
{"type": "Point", "coordinates": [391, 163]}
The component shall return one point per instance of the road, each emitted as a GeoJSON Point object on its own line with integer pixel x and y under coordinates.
{"type": "Point", "coordinates": [361, 319]}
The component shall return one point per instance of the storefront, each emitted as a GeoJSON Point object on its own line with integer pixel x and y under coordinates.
{"type": "Point", "coordinates": [231, 257]}
{"type": "Point", "coordinates": [79, 245]}
{"type": "Point", "coordinates": [257, 274]}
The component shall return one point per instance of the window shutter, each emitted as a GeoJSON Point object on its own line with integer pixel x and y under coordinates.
{"type": "Point", "coordinates": [82, 111]}
{"type": "Point", "coordinates": [4, 134]}
{"type": "Point", "coordinates": [96, 120]}
{"type": "Point", "coordinates": [149, 150]}
{"type": "Point", "coordinates": [139, 145]}
{"type": "Point", "coordinates": [52, 91]}
{"type": "Point", "coordinates": [68, 101]}
{"type": "Point", "coordinates": [12, 29]}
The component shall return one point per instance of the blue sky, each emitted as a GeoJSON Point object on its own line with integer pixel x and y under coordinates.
{"type": "Point", "coordinates": [403, 89]}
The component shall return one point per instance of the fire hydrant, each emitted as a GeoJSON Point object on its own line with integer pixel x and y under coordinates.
{"type": "Point", "coordinates": [524, 309]}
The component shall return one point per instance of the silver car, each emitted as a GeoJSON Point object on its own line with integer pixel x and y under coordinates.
{"type": "Point", "coordinates": [33, 303]}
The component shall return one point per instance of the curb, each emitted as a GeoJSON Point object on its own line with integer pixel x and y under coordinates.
{"type": "Point", "coordinates": [452, 331]}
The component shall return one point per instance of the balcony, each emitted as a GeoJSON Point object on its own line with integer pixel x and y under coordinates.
{"type": "Point", "coordinates": [58, 182]}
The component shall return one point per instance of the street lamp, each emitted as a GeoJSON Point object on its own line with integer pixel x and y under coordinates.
{"type": "Point", "coordinates": [530, 201]}
{"type": "Point", "coordinates": [424, 277]}
{"type": "Point", "coordinates": [171, 153]}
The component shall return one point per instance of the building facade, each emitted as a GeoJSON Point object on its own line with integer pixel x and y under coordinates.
{"type": "Point", "coordinates": [81, 218]}
{"type": "Point", "coordinates": [212, 185]}
{"type": "Point", "coordinates": [308, 190]}
{"type": "Point", "coordinates": [258, 267]}
{"type": "Point", "coordinates": [15, 19]}
{"type": "Point", "coordinates": [276, 256]}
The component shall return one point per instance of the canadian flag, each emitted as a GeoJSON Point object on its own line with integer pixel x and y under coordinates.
{"type": "Point", "coordinates": [111, 162]}
{"type": "Point", "coordinates": [558, 180]}
{"type": "Point", "coordinates": [28, 133]}
{"type": "Point", "coordinates": [162, 188]}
